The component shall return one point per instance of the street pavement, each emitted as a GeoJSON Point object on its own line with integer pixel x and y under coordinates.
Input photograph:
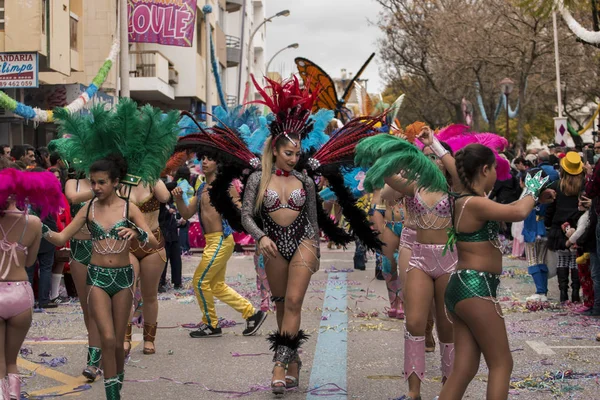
{"type": "Point", "coordinates": [355, 350]}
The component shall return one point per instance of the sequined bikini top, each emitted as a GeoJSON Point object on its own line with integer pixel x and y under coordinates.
{"type": "Point", "coordinates": [98, 232]}
{"type": "Point", "coordinates": [487, 233]}
{"type": "Point", "coordinates": [149, 205]}
{"type": "Point", "coordinates": [9, 249]}
{"type": "Point", "coordinates": [436, 217]}
{"type": "Point", "coordinates": [442, 208]}
{"type": "Point", "coordinates": [295, 202]}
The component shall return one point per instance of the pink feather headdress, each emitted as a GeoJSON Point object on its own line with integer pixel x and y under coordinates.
{"type": "Point", "coordinates": [458, 136]}
{"type": "Point", "coordinates": [41, 190]}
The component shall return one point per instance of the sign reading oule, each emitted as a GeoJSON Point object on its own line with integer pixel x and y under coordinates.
{"type": "Point", "coordinates": [167, 22]}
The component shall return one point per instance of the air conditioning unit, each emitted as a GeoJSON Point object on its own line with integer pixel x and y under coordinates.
{"type": "Point", "coordinates": [4, 113]}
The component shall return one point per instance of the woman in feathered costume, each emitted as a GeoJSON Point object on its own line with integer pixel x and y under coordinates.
{"type": "Point", "coordinates": [423, 182]}
{"type": "Point", "coordinates": [20, 236]}
{"type": "Point", "coordinates": [289, 236]}
{"type": "Point", "coordinates": [79, 191]}
{"type": "Point", "coordinates": [471, 292]}
{"type": "Point", "coordinates": [101, 145]}
{"type": "Point", "coordinates": [286, 203]}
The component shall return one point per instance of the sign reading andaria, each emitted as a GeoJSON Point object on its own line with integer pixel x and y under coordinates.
{"type": "Point", "coordinates": [18, 70]}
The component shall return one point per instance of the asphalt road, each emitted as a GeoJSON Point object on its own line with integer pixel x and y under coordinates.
{"type": "Point", "coordinates": [355, 350]}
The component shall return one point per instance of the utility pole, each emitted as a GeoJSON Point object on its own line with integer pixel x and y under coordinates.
{"type": "Point", "coordinates": [124, 55]}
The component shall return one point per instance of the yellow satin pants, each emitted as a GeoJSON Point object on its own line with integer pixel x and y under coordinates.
{"type": "Point", "coordinates": [209, 280]}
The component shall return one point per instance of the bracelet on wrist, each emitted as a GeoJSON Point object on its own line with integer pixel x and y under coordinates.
{"type": "Point", "coordinates": [437, 148]}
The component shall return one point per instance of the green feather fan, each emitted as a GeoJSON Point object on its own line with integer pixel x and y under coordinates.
{"type": "Point", "coordinates": [386, 155]}
{"type": "Point", "coordinates": [144, 137]}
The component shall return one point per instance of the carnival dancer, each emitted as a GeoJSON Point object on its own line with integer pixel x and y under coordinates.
{"type": "Point", "coordinates": [79, 191]}
{"type": "Point", "coordinates": [429, 267]}
{"type": "Point", "coordinates": [285, 201]}
{"type": "Point", "coordinates": [101, 143]}
{"type": "Point", "coordinates": [148, 262]}
{"type": "Point", "coordinates": [209, 278]}
{"type": "Point", "coordinates": [471, 293]}
{"type": "Point", "coordinates": [20, 237]}
{"type": "Point", "coordinates": [110, 275]}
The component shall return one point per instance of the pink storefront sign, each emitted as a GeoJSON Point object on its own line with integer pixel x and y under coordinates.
{"type": "Point", "coordinates": [167, 22]}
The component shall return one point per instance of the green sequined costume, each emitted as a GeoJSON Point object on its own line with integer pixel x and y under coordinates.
{"type": "Point", "coordinates": [112, 280]}
{"type": "Point", "coordinates": [81, 251]}
{"type": "Point", "coordinates": [467, 283]}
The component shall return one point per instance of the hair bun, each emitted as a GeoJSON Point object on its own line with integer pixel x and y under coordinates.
{"type": "Point", "coordinates": [120, 162]}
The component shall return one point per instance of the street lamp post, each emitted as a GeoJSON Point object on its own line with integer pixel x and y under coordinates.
{"type": "Point", "coordinates": [506, 86]}
{"type": "Point", "coordinates": [283, 13]}
{"type": "Point", "coordinates": [291, 46]}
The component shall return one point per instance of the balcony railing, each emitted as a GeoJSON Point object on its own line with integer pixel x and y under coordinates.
{"type": "Point", "coordinates": [152, 64]}
{"type": "Point", "coordinates": [234, 50]}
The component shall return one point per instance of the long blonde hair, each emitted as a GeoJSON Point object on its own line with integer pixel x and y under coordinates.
{"type": "Point", "coordinates": [571, 185]}
{"type": "Point", "coordinates": [265, 178]}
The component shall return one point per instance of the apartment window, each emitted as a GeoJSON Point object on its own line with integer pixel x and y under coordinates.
{"type": "Point", "coordinates": [44, 5]}
{"type": "Point", "coordinates": [199, 30]}
{"type": "Point", "coordinates": [1, 15]}
{"type": "Point", "coordinates": [74, 21]}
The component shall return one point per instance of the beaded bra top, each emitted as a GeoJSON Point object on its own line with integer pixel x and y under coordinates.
{"type": "Point", "coordinates": [295, 202]}
{"type": "Point", "coordinates": [108, 241]}
{"type": "Point", "coordinates": [438, 216]}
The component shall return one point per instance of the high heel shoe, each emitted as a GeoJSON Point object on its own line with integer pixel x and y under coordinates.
{"type": "Point", "coordinates": [128, 339]}
{"type": "Point", "coordinates": [278, 386]}
{"type": "Point", "coordinates": [291, 381]}
{"type": "Point", "coordinates": [149, 336]}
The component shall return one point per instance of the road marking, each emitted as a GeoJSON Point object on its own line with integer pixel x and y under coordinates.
{"type": "Point", "coordinates": [68, 382]}
{"type": "Point", "coordinates": [330, 362]}
{"type": "Point", "coordinates": [50, 373]}
{"type": "Point", "coordinates": [540, 348]}
{"type": "Point", "coordinates": [66, 341]}
{"type": "Point", "coordinates": [544, 349]}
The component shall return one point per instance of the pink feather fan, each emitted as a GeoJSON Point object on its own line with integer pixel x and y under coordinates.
{"type": "Point", "coordinates": [40, 190]}
{"type": "Point", "coordinates": [458, 136]}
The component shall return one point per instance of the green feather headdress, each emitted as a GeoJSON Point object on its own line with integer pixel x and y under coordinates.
{"type": "Point", "coordinates": [386, 155]}
{"type": "Point", "coordinates": [144, 136]}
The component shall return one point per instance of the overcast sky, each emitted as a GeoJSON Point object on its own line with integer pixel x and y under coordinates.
{"type": "Point", "coordinates": [334, 34]}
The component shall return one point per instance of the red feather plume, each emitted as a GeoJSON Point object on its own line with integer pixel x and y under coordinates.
{"type": "Point", "coordinates": [340, 148]}
{"type": "Point", "coordinates": [224, 142]}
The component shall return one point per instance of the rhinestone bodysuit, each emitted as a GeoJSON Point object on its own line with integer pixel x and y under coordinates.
{"type": "Point", "coordinates": [287, 238]}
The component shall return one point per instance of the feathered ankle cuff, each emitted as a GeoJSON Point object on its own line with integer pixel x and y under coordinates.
{"type": "Point", "coordinates": [286, 346]}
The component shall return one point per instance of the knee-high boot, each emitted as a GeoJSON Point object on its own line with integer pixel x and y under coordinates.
{"type": "Point", "coordinates": [14, 386]}
{"type": "Point", "coordinates": [562, 275]}
{"type": "Point", "coordinates": [575, 285]}
{"type": "Point", "coordinates": [414, 355]}
{"type": "Point", "coordinates": [4, 391]}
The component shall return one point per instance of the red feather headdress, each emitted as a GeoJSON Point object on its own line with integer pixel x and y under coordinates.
{"type": "Point", "coordinates": [291, 106]}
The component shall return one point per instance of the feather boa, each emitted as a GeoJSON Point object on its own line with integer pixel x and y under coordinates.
{"type": "Point", "coordinates": [40, 190]}
{"type": "Point", "coordinates": [575, 27]}
{"type": "Point", "coordinates": [220, 198]}
{"type": "Point", "coordinates": [334, 233]}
